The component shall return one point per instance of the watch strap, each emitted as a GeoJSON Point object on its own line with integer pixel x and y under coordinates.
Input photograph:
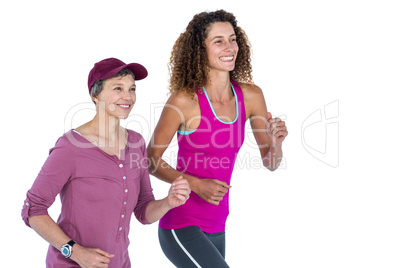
{"type": "Point", "coordinates": [71, 243]}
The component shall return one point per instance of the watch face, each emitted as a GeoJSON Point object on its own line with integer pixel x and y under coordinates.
{"type": "Point", "coordinates": [65, 251]}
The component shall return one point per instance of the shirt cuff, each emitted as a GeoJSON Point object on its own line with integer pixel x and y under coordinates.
{"type": "Point", "coordinates": [28, 211]}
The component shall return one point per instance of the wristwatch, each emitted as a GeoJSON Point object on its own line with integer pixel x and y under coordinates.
{"type": "Point", "coordinates": [67, 249]}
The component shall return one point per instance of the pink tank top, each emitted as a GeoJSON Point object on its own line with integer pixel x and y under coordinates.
{"type": "Point", "coordinates": [208, 152]}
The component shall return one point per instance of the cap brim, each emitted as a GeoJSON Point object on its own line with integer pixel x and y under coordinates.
{"type": "Point", "coordinates": [138, 70]}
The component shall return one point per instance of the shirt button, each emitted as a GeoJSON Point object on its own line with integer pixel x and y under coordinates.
{"type": "Point", "coordinates": [122, 216]}
{"type": "Point", "coordinates": [124, 178]}
{"type": "Point", "coordinates": [121, 165]}
{"type": "Point", "coordinates": [125, 203]}
{"type": "Point", "coordinates": [27, 203]}
{"type": "Point", "coordinates": [121, 228]}
{"type": "Point", "coordinates": [126, 190]}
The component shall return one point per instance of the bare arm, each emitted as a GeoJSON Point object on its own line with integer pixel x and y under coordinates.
{"type": "Point", "coordinates": [178, 194]}
{"type": "Point", "coordinates": [269, 132]}
{"type": "Point", "coordinates": [173, 116]}
{"type": "Point", "coordinates": [276, 131]}
{"type": "Point", "coordinates": [51, 232]}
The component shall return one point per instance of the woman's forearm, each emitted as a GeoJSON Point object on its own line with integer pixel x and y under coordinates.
{"type": "Point", "coordinates": [45, 226]}
{"type": "Point", "coordinates": [178, 194]}
{"type": "Point", "coordinates": [273, 158]}
{"type": "Point", "coordinates": [156, 209]}
{"type": "Point", "coordinates": [163, 171]}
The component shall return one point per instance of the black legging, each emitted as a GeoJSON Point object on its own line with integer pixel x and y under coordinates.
{"type": "Point", "coordinates": [191, 247]}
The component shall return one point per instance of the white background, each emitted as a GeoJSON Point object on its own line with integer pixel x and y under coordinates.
{"type": "Point", "coordinates": [336, 201]}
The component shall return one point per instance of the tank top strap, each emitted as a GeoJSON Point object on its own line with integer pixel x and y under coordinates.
{"type": "Point", "coordinates": [238, 90]}
{"type": "Point", "coordinates": [205, 109]}
{"type": "Point", "coordinates": [240, 101]}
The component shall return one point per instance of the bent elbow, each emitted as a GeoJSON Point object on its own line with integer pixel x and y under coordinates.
{"type": "Point", "coordinates": [153, 163]}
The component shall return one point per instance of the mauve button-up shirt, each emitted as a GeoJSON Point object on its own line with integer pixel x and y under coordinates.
{"type": "Point", "coordinates": [98, 193]}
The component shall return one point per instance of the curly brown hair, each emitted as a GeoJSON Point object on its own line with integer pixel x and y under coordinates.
{"type": "Point", "coordinates": [189, 64]}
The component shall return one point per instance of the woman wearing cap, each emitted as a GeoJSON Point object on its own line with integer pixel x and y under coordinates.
{"type": "Point", "coordinates": [100, 170]}
{"type": "Point", "coordinates": [212, 96]}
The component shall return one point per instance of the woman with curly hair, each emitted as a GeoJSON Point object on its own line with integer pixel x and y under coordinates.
{"type": "Point", "coordinates": [212, 96]}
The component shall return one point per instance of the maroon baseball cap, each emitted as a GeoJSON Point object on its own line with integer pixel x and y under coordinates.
{"type": "Point", "coordinates": [108, 68]}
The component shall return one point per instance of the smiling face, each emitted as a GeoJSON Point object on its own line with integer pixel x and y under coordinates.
{"type": "Point", "coordinates": [221, 47]}
{"type": "Point", "coordinates": [117, 97]}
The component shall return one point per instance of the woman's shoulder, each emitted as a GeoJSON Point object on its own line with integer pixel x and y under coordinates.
{"type": "Point", "coordinates": [182, 98]}
{"type": "Point", "coordinates": [183, 101]}
{"type": "Point", "coordinates": [66, 142]}
{"type": "Point", "coordinates": [253, 96]}
{"type": "Point", "coordinates": [72, 139]}
{"type": "Point", "coordinates": [66, 138]}
{"type": "Point", "coordinates": [250, 91]}
{"type": "Point", "coordinates": [134, 136]}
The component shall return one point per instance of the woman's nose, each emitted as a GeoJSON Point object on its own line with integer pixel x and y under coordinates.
{"type": "Point", "coordinates": [126, 95]}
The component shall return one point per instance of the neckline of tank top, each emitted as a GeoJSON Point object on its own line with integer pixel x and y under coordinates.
{"type": "Point", "coordinates": [212, 108]}
{"type": "Point", "coordinates": [187, 132]}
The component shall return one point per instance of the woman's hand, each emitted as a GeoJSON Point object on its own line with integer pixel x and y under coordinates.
{"type": "Point", "coordinates": [276, 130]}
{"type": "Point", "coordinates": [211, 190]}
{"type": "Point", "coordinates": [179, 192]}
{"type": "Point", "coordinates": [90, 257]}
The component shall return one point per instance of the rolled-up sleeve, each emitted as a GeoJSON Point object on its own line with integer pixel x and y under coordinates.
{"type": "Point", "coordinates": [55, 173]}
{"type": "Point", "coordinates": [146, 195]}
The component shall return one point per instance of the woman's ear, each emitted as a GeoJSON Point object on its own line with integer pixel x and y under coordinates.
{"type": "Point", "coordinates": [94, 99]}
